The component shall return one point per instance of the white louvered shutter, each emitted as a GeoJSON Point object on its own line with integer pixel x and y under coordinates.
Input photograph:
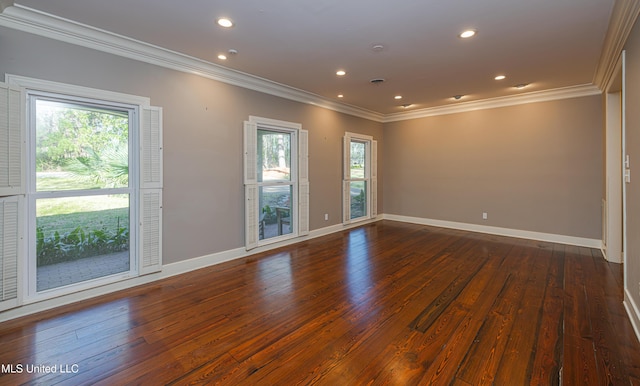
{"type": "Point", "coordinates": [374, 179]}
{"type": "Point", "coordinates": [251, 210]}
{"type": "Point", "coordinates": [346, 179]}
{"type": "Point", "coordinates": [303, 182]}
{"type": "Point", "coordinates": [150, 207]}
{"type": "Point", "coordinates": [150, 231]}
{"type": "Point", "coordinates": [10, 219]}
{"type": "Point", "coordinates": [303, 156]}
{"type": "Point", "coordinates": [250, 153]}
{"type": "Point", "coordinates": [151, 148]}
{"type": "Point", "coordinates": [346, 202]}
{"type": "Point", "coordinates": [12, 143]}
{"type": "Point", "coordinates": [251, 216]}
{"type": "Point", "coordinates": [346, 156]}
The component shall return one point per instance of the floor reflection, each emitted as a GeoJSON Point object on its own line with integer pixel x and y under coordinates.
{"type": "Point", "coordinates": [358, 265]}
{"type": "Point", "coordinates": [68, 347]}
{"type": "Point", "coordinates": [274, 276]}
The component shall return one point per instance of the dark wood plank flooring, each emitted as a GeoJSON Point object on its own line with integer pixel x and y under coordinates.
{"type": "Point", "coordinates": [386, 303]}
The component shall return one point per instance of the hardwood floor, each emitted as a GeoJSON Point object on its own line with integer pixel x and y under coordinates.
{"type": "Point", "coordinates": [387, 303]}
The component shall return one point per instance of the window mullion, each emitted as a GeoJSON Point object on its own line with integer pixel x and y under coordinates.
{"type": "Point", "coordinates": [81, 193]}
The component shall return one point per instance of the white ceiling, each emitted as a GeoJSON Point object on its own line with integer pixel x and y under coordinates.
{"type": "Point", "coordinates": [301, 43]}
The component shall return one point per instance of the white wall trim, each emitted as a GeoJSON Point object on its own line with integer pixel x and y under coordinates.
{"type": "Point", "coordinates": [512, 100]}
{"type": "Point", "coordinates": [633, 311]}
{"type": "Point", "coordinates": [32, 21]}
{"type": "Point", "coordinates": [549, 237]}
{"type": "Point", "coordinates": [623, 17]}
{"type": "Point", "coordinates": [168, 270]}
{"type": "Point", "coordinates": [196, 263]}
{"type": "Point", "coordinates": [78, 91]}
{"type": "Point", "coordinates": [29, 20]}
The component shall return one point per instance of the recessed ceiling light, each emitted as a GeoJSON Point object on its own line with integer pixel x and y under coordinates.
{"type": "Point", "coordinates": [222, 57]}
{"type": "Point", "coordinates": [397, 97]}
{"type": "Point", "coordinates": [340, 96]}
{"type": "Point", "coordinates": [500, 77]}
{"type": "Point", "coordinates": [224, 22]}
{"type": "Point", "coordinates": [341, 72]}
{"type": "Point", "coordinates": [467, 34]}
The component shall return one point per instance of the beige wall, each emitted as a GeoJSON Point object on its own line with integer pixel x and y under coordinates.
{"type": "Point", "coordinates": [632, 89]}
{"type": "Point", "coordinates": [534, 167]}
{"type": "Point", "coordinates": [203, 193]}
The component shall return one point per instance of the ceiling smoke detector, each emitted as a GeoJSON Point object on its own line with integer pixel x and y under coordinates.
{"type": "Point", "coordinates": [376, 81]}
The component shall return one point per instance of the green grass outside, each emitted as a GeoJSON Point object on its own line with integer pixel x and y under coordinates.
{"type": "Point", "coordinates": [108, 220]}
{"type": "Point", "coordinates": [357, 172]}
{"type": "Point", "coordinates": [49, 181]}
{"type": "Point", "coordinates": [89, 212]}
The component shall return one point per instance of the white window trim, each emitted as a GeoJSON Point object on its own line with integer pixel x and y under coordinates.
{"type": "Point", "coordinates": [147, 182]}
{"type": "Point", "coordinates": [371, 177]}
{"type": "Point", "coordinates": [300, 181]}
{"type": "Point", "coordinates": [78, 91]}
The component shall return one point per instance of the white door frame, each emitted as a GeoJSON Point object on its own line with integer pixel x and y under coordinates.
{"type": "Point", "coordinates": [613, 211]}
{"type": "Point", "coordinates": [624, 167]}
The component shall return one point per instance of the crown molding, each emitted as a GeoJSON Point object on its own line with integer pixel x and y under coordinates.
{"type": "Point", "coordinates": [29, 20]}
{"type": "Point", "coordinates": [530, 97]}
{"type": "Point", "coordinates": [623, 17]}
{"type": "Point", "coordinates": [32, 21]}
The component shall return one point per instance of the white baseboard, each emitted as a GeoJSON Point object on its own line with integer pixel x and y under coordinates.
{"type": "Point", "coordinates": [610, 258]}
{"type": "Point", "coordinates": [193, 264]}
{"type": "Point", "coordinates": [633, 311]}
{"type": "Point", "coordinates": [168, 270]}
{"type": "Point", "coordinates": [561, 239]}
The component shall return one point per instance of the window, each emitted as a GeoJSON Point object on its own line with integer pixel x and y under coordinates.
{"type": "Point", "coordinates": [80, 191]}
{"type": "Point", "coordinates": [93, 187]}
{"type": "Point", "coordinates": [360, 178]}
{"type": "Point", "coordinates": [276, 183]}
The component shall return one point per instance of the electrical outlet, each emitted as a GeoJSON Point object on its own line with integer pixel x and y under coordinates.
{"type": "Point", "coordinates": [485, 215]}
{"type": "Point", "coordinates": [326, 217]}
